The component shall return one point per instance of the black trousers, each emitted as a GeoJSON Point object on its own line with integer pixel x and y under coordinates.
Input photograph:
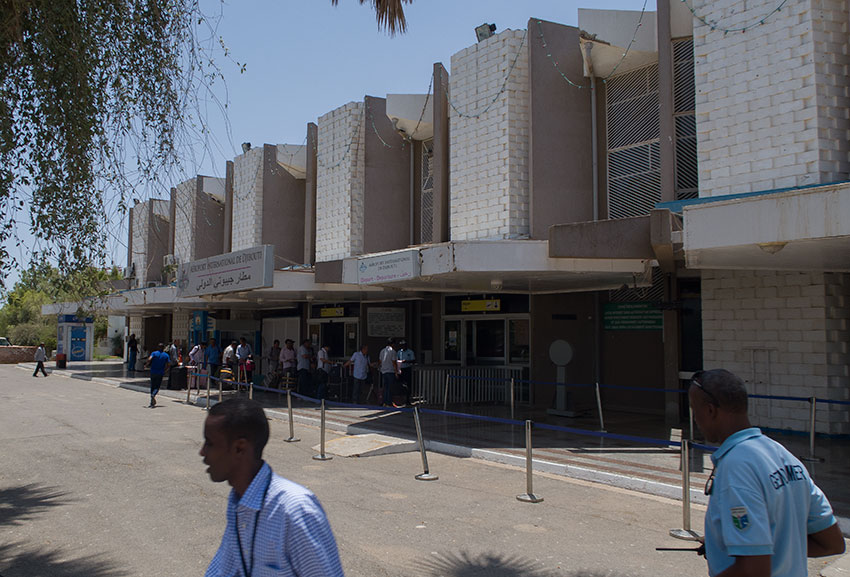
{"type": "Point", "coordinates": [39, 367]}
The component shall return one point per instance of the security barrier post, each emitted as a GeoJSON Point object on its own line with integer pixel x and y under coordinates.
{"type": "Point", "coordinates": [426, 475]}
{"type": "Point", "coordinates": [189, 386]}
{"type": "Point", "coordinates": [208, 392]}
{"type": "Point", "coordinates": [220, 391]}
{"type": "Point", "coordinates": [292, 438]}
{"type": "Point", "coordinates": [513, 395]}
{"type": "Point", "coordinates": [251, 390]}
{"type": "Point", "coordinates": [446, 393]}
{"type": "Point", "coordinates": [321, 456]}
{"type": "Point", "coordinates": [685, 532]}
{"type": "Point", "coordinates": [812, 419]}
{"type": "Point", "coordinates": [529, 496]}
{"type": "Point", "coordinates": [599, 406]}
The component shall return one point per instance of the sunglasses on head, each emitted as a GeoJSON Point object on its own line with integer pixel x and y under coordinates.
{"type": "Point", "coordinates": [696, 381]}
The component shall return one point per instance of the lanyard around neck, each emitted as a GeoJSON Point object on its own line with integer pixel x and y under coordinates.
{"type": "Point", "coordinates": [246, 570]}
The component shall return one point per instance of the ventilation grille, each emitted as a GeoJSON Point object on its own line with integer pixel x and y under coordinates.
{"type": "Point", "coordinates": [687, 184]}
{"type": "Point", "coordinates": [634, 175]}
{"type": "Point", "coordinates": [427, 218]}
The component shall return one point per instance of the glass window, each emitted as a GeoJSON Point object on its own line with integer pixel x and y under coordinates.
{"type": "Point", "coordinates": [519, 345]}
{"type": "Point", "coordinates": [451, 338]}
{"type": "Point", "coordinates": [489, 342]}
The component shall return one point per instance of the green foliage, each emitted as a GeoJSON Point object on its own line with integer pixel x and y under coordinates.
{"type": "Point", "coordinates": [20, 317]}
{"type": "Point", "coordinates": [96, 98]}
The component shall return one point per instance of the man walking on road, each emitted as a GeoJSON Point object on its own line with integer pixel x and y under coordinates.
{"type": "Point", "coordinates": [157, 360]}
{"type": "Point", "coordinates": [274, 526]}
{"type": "Point", "coordinates": [40, 357]}
{"type": "Point", "coordinates": [765, 515]}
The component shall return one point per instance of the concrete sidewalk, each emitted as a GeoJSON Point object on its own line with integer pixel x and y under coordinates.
{"type": "Point", "coordinates": [644, 467]}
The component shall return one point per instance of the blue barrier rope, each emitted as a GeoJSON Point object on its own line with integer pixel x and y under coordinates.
{"type": "Point", "coordinates": [473, 417]}
{"type": "Point", "coordinates": [779, 398]}
{"type": "Point", "coordinates": [832, 402]}
{"type": "Point", "coordinates": [602, 435]}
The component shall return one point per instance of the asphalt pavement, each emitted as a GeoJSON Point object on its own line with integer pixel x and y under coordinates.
{"type": "Point", "coordinates": [95, 484]}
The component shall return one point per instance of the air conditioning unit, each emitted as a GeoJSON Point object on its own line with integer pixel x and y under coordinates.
{"type": "Point", "coordinates": [169, 260]}
{"type": "Point", "coordinates": [130, 271]}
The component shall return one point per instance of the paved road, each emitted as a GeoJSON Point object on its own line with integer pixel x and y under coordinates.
{"type": "Point", "coordinates": [93, 484]}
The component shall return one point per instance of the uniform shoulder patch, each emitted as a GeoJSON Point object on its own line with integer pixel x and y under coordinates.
{"type": "Point", "coordinates": [739, 518]}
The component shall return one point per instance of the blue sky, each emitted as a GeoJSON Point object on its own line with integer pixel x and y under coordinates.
{"type": "Point", "coordinates": [306, 57]}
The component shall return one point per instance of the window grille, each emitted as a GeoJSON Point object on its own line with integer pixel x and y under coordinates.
{"type": "Point", "coordinates": [634, 172]}
{"type": "Point", "coordinates": [427, 212]}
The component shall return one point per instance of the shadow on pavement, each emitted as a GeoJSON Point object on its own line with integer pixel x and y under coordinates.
{"type": "Point", "coordinates": [18, 561]}
{"type": "Point", "coordinates": [464, 564]}
{"type": "Point", "coordinates": [19, 505]}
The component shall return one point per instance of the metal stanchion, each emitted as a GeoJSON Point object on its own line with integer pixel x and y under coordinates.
{"type": "Point", "coordinates": [529, 496]}
{"type": "Point", "coordinates": [691, 420]}
{"type": "Point", "coordinates": [208, 391]}
{"type": "Point", "coordinates": [321, 456]}
{"type": "Point", "coordinates": [812, 415]}
{"type": "Point", "coordinates": [599, 406]}
{"type": "Point", "coordinates": [446, 393]}
{"type": "Point", "coordinates": [513, 395]}
{"type": "Point", "coordinates": [426, 474]}
{"type": "Point", "coordinates": [220, 392]}
{"type": "Point", "coordinates": [292, 438]}
{"type": "Point", "coordinates": [192, 379]}
{"type": "Point", "coordinates": [685, 533]}
{"type": "Point", "coordinates": [251, 390]}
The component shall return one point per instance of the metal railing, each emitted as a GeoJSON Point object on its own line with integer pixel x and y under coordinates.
{"type": "Point", "coordinates": [470, 385]}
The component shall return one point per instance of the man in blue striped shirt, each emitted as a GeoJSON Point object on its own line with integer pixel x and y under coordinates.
{"type": "Point", "coordinates": [275, 528]}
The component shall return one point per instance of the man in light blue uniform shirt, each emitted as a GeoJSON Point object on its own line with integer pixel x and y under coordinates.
{"type": "Point", "coordinates": [765, 515]}
{"type": "Point", "coordinates": [361, 363]}
{"type": "Point", "coordinates": [275, 528]}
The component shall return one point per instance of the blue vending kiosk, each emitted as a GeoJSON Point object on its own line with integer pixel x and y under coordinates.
{"type": "Point", "coordinates": [75, 337]}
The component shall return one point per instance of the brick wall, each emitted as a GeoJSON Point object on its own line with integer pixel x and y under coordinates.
{"type": "Point", "coordinates": [784, 333]}
{"type": "Point", "coordinates": [247, 200]}
{"type": "Point", "coordinates": [771, 103]}
{"type": "Point", "coordinates": [489, 154]}
{"type": "Point", "coordinates": [341, 163]}
{"type": "Point", "coordinates": [13, 355]}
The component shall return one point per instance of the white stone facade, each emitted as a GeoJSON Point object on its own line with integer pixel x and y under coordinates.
{"type": "Point", "coordinates": [489, 153]}
{"type": "Point", "coordinates": [184, 216]}
{"type": "Point", "coordinates": [247, 200]}
{"type": "Point", "coordinates": [137, 327]}
{"type": "Point", "coordinates": [180, 325]}
{"type": "Point", "coordinates": [784, 333]}
{"type": "Point", "coordinates": [341, 159]}
{"type": "Point", "coordinates": [771, 102]}
{"type": "Point", "coordinates": [143, 232]}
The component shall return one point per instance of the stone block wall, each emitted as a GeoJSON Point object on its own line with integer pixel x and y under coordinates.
{"type": "Point", "coordinates": [783, 333]}
{"type": "Point", "coordinates": [137, 327]}
{"type": "Point", "coordinates": [489, 140]}
{"type": "Point", "coordinates": [141, 226]}
{"type": "Point", "coordinates": [247, 200]}
{"type": "Point", "coordinates": [184, 216]}
{"type": "Point", "coordinates": [340, 183]}
{"type": "Point", "coordinates": [180, 326]}
{"type": "Point", "coordinates": [771, 102]}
